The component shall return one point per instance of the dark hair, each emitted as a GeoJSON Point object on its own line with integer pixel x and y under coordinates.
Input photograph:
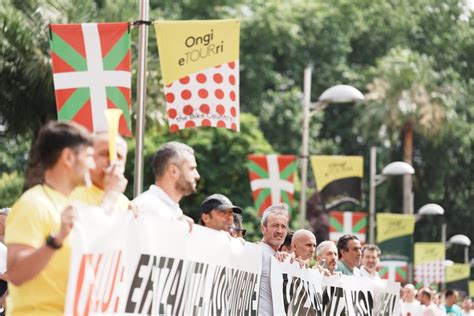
{"type": "Point", "coordinates": [55, 136]}
{"type": "Point", "coordinates": [169, 153]}
{"type": "Point", "coordinates": [371, 247]}
{"type": "Point", "coordinates": [450, 293]}
{"type": "Point", "coordinates": [426, 292]}
{"type": "Point", "coordinates": [344, 241]}
{"type": "Point", "coordinates": [287, 242]}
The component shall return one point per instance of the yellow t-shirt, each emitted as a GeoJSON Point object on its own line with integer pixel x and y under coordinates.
{"type": "Point", "coordinates": [36, 214]}
{"type": "Point", "coordinates": [93, 196]}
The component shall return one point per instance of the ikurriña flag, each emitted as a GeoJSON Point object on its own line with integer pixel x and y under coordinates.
{"type": "Point", "coordinates": [394, 270]}
{"type": "Point", "coordinates": [272, 179]}
{"type": "Point", "coordinates": [341, 223]}
{"type": "Point", "coordinates": [338, 179]}
{"type": "Point", "coordinates": [200, 67]}
{"type": "Point", "coordinates": [91, 71]}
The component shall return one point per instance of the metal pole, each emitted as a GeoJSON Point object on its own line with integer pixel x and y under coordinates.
{"type": "Point", "coordinates": [466, 254]}
{"type": "Point", "coordinates": [373, 166]}
{"type": "Point", "coordinates": [443, 233]}
{"type": "Point", "coordinates": [141, 96]}
{"type": "Point", "coordinates": [305, 141]}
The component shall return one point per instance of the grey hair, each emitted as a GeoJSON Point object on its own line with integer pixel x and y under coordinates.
{"type": "Point", "coordinates": [280, 209]}
{"type": "Point", "coordinates": [169, 153]}
{"type": "Point", "coordinates": [323, 246]}
{"type": "Point", "coordinates": [371, 247]}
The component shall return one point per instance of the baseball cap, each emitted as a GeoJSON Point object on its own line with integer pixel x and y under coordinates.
{"type": "Point", "coordinates": [218, 202]}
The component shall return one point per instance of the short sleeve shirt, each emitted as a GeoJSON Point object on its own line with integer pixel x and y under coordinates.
{"type": "Point", "coordinates": [34, 215]}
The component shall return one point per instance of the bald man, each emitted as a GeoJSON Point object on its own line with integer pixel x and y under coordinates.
{"type": "Point", "coordinates": [303, 244]}
{"type": "Point", "coordinates": [410, 306]}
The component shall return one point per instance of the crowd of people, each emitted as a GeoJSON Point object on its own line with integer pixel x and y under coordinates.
{"type": "Point", "coordinates": [79, 169]}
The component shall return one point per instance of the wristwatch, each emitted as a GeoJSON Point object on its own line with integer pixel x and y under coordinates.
{"type": "Point", "coordinates": [51, 242]}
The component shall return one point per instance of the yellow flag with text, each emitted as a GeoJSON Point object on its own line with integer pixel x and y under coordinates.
{"type": "Point", "coordinates": [429, 262]}
{"type": "Point", "coordinates": [200, 66]}
{"type": "Point", "coordinates": [338, 179]}
{"type": "Point", "coordinates": [391, 226]}
{"type": "Point", "coordinates": [457, 272]}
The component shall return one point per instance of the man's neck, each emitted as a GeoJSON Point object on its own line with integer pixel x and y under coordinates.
{"type": "Point", "coordinates": [347, 265]}
{"type": "Point", "coordinates": [168, 188]}
{"type": "Point", "coordinates": [56, 180]}
{"type": "Point", "coordinates": [370, 272]}
{"type": "Point", "coordinates": [273, 247]}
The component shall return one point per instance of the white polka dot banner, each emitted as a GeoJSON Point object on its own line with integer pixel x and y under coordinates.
{"type": "Point", "coordinates": [200, 66]}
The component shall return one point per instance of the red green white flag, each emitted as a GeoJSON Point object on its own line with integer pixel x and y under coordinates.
{"type": "Point", "coordinates": [272, 179]}
{"type": "Point", "coordinates": [341, 223]}
{"type": "Point", "coordinates": [91, 71]}
{"type": "Point", "coordinates": [394, 270]}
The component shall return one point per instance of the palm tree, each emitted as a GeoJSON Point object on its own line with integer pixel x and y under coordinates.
{"type": "Point", "coordinates": [404, 96]}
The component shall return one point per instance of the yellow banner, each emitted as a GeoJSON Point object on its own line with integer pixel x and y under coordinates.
{"type": "Point", "coordinates": [186, 47]}
{"type": "Point", "coordinates": [428, 252]}
{"type": "Point", "coordinates": [471, 288]}
{"type": "Point", "coordinates": [458, 271]}
{"type": "Point", "coordinates": [327, 169]}
{"type": "Point", "coordinates": [391, 226]}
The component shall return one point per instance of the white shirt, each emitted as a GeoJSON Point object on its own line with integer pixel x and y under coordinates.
{"type": "Point", "coordinates": [265, 304]}
{"type": "Point", "coordinates": [365, 273]}
{"type": "Point", "coordinates": [158, 202]}
{"type": "Point", "coordinates": [3, 257]}
{"type": "Point", "coordinates": [414, 308]}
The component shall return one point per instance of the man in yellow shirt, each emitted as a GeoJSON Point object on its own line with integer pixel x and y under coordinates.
{"type": "Point", "coordinates": [105, 176]}
{"type": "Point", "coordinates": [39, 223]}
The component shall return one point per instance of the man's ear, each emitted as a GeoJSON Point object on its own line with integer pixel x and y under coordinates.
{"type": "Point", "coordinates": [67, 157]}
{"type": "Point", "coordinates": [205, 218]}
{"type": "Point", "coordinates": [173, 171]}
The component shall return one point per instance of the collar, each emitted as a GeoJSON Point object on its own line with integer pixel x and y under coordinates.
{"type": "Point", "coordinates": [157, 191]}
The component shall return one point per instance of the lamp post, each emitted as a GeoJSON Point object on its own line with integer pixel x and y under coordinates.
{"type": "Point", "coordinates": [432, 209]}
{"type": "Point", "coordinates": [335, 94]}
{"type": "Point", "coordinates": [396, 168]}
{"type": "Point", "coordinates": [462, 240]}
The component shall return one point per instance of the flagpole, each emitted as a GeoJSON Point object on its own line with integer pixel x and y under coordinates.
{"type": "Point", "coordinates": [141, 96]}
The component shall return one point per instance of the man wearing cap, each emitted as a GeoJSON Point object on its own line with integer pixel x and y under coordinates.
{"type": "Point", "coordinates": [217, 212]}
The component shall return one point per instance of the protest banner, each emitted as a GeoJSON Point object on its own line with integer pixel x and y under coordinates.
{"type": "Point", "coordinates": [386, 297]}
{"type": "Point", "coordinates": [338, 179]}
{"type": "Point", "coordinates": [395, 235]}
{"type": "Point", "coordinates": [295, 291]}
{"type": "Point", "coordinates": [272, 179]}
{"type": "Point", "coordinates": [334, 303]}
{"type": "Point", "coordinates": [200, 65]}
{"type": "Point", "coordinates": [121, 265]}
{"type": "Point", "coordinates": [457, 277]}
{"type": "Point", "coordinates": [358, 294]}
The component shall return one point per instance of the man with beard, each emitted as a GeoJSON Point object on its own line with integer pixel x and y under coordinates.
{"type": "Point", "coordinates": [217, 212]}
{"type": "Point", "coordinates": [176, 176]}
{"type": "Point", "coordinates": [349, 255]}
{"type": "Point", "coordinates": [274, 229]}
{"type": "Point", "coordinates": [326, 253]}
{"type": "Point", "coordinates": [40, 221]}
{"type": "Point", "coordinates": [370, 261]}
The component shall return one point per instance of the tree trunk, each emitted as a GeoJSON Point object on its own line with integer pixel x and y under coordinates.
{"type": "Point", "coordinates": [408, 158]}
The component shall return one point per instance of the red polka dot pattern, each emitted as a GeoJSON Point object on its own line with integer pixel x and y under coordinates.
{"type": "Point", "coordinates": [209, 97]}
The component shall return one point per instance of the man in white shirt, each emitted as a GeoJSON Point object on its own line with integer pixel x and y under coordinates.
{"type": "Point", "coordinates": [303, 245]}
{"type": "Point", "coordinates": [410, 306]}
{"type": "Point", "coordinates": [274, 229]}
{"type": "Point", "coordinates": [326, 253]}
{"type": "Point", "coordinates": [426, 299]}
{"type": "Point", "coordinates": [370, 261]}
{"type": "Point", "coordinates": [176, 176]}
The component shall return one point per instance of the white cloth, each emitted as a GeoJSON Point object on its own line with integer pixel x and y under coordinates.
{"type": "Point", "coordinates": [3, 257]}
{"type": "Point", "coordinates": [156, 201]}
{"type": "Point", "coordinates": [265, 305]}
{"type": "Point", "coordinates": [365, 273]}
{"type": "Point", "coordinates": [414, 308]}
{"type": "Point", "coordinates": [431, 310]}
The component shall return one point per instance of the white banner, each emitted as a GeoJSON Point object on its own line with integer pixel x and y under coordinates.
{"type": "Point", "coordinates": [295, 291]}
{"type": "Point", "coordinates": [298, 291]}
{"type": "Point", "coordinates": [146, 265]}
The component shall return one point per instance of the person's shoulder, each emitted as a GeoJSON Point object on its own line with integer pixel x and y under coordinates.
{"type": "Point", "coordinates": [30, 201]}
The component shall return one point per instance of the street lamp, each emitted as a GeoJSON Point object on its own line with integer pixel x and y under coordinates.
{"type": "Point", "coordinates": [462, 240]}
{"type": "Point", "coordinates": [335, 94]}
{"type": "Point", "coordinates": [433, 209]}
{"type": "Point", "coordinates": [396, 168]}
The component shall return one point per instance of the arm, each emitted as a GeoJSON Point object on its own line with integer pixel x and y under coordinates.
{"type": "Point", "coordinates": [26, 262]}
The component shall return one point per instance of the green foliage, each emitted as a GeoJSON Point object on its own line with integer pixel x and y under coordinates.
{"type": "Point", "coordinates": [11, 185]}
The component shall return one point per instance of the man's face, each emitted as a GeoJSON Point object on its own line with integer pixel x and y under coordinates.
{"type": "Point", "coordinates": [329, 256]}
{"type": "Point", "coordinates": [370, 260]}
{"type": "Point", "coordinates": [452, 299]}
{"type": "Point", "coordinates": [82, 164]}
{"type": "Point", "coordinates": [219, 220]}
{"type": "Point", "coordinates": [304, 246]}
{"type": "Point", "coordinates": [102, 159]}
{"type": "Point", "coordinates": [409, 294]}
{"type": "Point", "coordinates": [352, 255]}
{"type": "Point", "coordinates": [188, 175]}
{"type": "Point", "coordinates": [275, 230]}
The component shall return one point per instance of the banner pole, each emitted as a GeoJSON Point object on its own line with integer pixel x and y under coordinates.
{"type": "Point", "coordinates": [141, 96]}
